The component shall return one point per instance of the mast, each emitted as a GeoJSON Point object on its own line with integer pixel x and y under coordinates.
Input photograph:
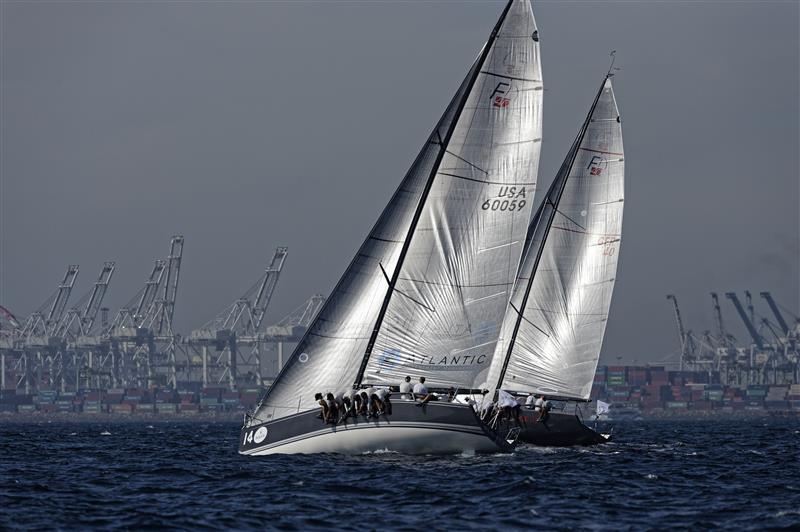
{"type": "Point", "coordinates": [552, 199]}
{"type": "Point", "coordinates": [443, 142]}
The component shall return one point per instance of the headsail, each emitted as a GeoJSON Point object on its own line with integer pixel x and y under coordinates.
{"type": "Point", "coordinates": [487, 139]}
{"type": "Point", "coordinates": [444, 316]}
{"type": "Point", "coordinates": [553, 331]}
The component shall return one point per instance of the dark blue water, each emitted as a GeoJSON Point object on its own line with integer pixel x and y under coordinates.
{"type": "Point", "coordinates": [740, 474]}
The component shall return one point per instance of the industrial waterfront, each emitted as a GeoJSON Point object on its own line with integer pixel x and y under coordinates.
{"type": "Point", "coordinates": [73, 356]}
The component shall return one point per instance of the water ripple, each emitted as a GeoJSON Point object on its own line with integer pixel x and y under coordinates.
{"type": "Point", "coordinates": [188, 476]}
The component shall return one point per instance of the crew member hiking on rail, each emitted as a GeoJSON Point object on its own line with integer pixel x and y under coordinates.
{"type": "Point", "coordinates": [323, 415]}
{"type": "Point", "coordinates": [382, 395]}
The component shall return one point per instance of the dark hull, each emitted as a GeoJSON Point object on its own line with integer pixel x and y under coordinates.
{"type": "Point", "coordinates": [560, 430]}
{"type": "Point", "coordinates": [436, 428]}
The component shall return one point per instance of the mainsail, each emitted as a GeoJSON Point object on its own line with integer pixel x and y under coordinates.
{"type": "Point", "coordinates": [434, 273]}
{"type": "Point", "coordinates": [553, 330]}
{"type": "Point", "coordinates": [443, 319]}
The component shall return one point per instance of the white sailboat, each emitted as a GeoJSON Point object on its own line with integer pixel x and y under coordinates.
{"type": "Point", "coordinates": [426, 292]}
{"type": "Point", "coordinates": [553, 330]}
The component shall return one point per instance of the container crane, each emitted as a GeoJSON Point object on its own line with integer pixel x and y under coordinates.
{"type": "Point", "coordinates": [238, 326]}
{"type": "Point", "coordinates": [725, 338]}
{"type": "Point", "coordinates": [774, 308]}
{"type": "Point", "coordinates": [757, 339]}
{"type": "Point", "coordinates": [682, 336]}
{"type": "Point", "coordinates": [44, 322]}
{"type": "Point", "coordinates": [80, 319]}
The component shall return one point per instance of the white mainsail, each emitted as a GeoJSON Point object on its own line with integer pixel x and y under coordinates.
{"type": "Point", "coordinates": [553, 331]}
{"type": "Point", "coordinates": [444, 318]}
{"type": "Point", "coordinates": [419, 283]}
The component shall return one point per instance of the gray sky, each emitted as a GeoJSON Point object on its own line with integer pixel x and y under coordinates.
{"type": "Point", "coordinates": [249, 125]}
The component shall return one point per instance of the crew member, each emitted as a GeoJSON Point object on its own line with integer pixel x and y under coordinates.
{"type": "Point", "coordinates": [509, 407]}
{"type": "Point", "coordinates": [323, 405]}
{"type": "Point", "coordinates": [530, 401]}
{"type": "Point", "coordinates": [357, 403]}
{"type": "Point", "coordinates": [486, 406]}
{"type": "Point", "coordinates": [382, 395]}
{"type": "Point", "coordinates": [365, 404]}
{"type": "Point", "coordinates": [421, 392]}
{"type": "Point", "coordinates": [333, 409]}
{"type": "Point", "coordinates": [406, 390]}
{"type": "Point", "coordinates": [347, 403]}
{"type": "Point", "coordinates": [544, 414]}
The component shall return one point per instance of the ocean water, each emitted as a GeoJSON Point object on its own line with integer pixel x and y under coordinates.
{"type": "Point", "coordinates": [184, 475]}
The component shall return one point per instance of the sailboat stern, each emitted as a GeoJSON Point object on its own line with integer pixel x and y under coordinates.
{"type": "Point", "coordinates": [561, 429]}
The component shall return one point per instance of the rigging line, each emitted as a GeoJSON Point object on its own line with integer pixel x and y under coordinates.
{"type": "Point", "coordinates": [423, 305]}
{"type": "Point", "coordinates": [556, 189]}
{"type": "Point", "coordinates": [460, 100]}
{"type": "Point", "coordinates": [521, 183]}
{"type": "Point", "coordinates": [529, 321]}
{"type": "Point", "coordinates": [466, 161]}
{"type": "Point", "coordinates": [497, 74]}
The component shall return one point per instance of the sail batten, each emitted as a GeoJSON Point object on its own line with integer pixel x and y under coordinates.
{"type": "Point", "coordinates": [551, 341]}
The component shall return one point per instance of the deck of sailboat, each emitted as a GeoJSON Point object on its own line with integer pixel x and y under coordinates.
{"type": "Point", "coordinates": [435, 428]}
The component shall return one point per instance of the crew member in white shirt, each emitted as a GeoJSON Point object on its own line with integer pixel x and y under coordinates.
{"type": "Point", "coordinates": [421, 392]}
{"type": "Point", "coordinates": [382, 396]}
{"type": "Point", "coordinates": [529, 402]}
{"type": "Point", "coordinates": [406, 390]}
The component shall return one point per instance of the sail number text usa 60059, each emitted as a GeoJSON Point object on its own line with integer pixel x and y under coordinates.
{"type": "Point", "coordinates": [508, 198]}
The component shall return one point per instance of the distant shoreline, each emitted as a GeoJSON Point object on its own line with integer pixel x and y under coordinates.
{"type": "Point", "coordinates": [237, 417]}
{"type": "Point", "coordinates": [105, 417]}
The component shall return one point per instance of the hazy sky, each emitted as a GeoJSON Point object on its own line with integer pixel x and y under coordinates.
{"type": "Point", "coordinates": [249, 125]}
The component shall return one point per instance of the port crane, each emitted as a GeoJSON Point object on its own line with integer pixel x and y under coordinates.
{"type": "Point", "coordinates": [236, 332]}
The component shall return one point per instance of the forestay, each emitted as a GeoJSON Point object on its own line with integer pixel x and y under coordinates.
{"type": "Point", "coordinates": [567, 276]}
{"type": "Point", "coordinates": [329, 356]}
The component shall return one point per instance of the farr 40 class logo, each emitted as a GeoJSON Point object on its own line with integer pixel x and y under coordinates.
{"type": "Point", "coordinates": [501, 96]}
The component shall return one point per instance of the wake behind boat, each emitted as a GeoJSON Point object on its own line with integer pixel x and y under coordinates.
{"type": "Point", "coordinates": [426, 292]}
